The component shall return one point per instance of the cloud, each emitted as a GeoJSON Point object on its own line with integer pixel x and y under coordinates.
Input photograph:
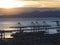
{"type": "Point", "coordinates": [42, 4]}
{"type": "Point", "coordinates": [37, 0]}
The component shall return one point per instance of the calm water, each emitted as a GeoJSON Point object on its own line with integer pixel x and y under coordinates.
{"type": "Point", "coordinates": [5, 23]}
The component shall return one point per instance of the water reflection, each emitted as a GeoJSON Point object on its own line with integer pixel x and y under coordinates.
{"type": "Point", "coordinates": [5, 25]}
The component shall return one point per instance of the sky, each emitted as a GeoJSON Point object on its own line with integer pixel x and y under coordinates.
{"type": "Point", "coordinates": [43, 3]}
{"type": "Point", "coordinates": [30, 3]}
{"type": "Point", "coordinates": [8, 5]}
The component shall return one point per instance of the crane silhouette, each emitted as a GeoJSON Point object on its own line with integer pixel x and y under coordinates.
{"type": "Point", "coordinates": [58, 25]}
{"type": "Point", "coordinates": [57, 22]}
{"type": "Point", "coordinates": [21, 28]}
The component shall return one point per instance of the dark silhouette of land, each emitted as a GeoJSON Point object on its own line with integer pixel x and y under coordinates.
{"type": "Point", "coordinates": [34, 14]}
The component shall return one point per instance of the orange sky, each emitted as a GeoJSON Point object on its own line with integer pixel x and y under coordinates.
{"type": "Point", "coordinates": [38, 4]}
{"type": "Point", "coordinates": [8, 5]}
{"type": "Point", "coordinates": [42, 3]}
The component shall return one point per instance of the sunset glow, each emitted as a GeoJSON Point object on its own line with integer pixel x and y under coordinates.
{"type": "Point", "coordinates": [11, 4]}
{"type": "Point", "coordinates": [15, 3]}
{"type": "Point", "coordinates": [19, 3]}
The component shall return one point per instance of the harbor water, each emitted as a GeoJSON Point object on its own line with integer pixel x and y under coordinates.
{"type": "Point", "coordinates": [6, 23]}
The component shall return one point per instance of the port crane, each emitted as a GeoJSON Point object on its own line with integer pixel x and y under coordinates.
{"type": "Point", "coordinates": [58, 25]}
{"type": "Point", "coordinates": [24, 28]}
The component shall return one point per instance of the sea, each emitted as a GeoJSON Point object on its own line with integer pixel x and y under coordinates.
{"type": "Point", "coordinates": [7, 23]}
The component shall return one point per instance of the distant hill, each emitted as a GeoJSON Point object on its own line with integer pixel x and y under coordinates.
{"type": "Point", "coordinates": [35, 13]}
